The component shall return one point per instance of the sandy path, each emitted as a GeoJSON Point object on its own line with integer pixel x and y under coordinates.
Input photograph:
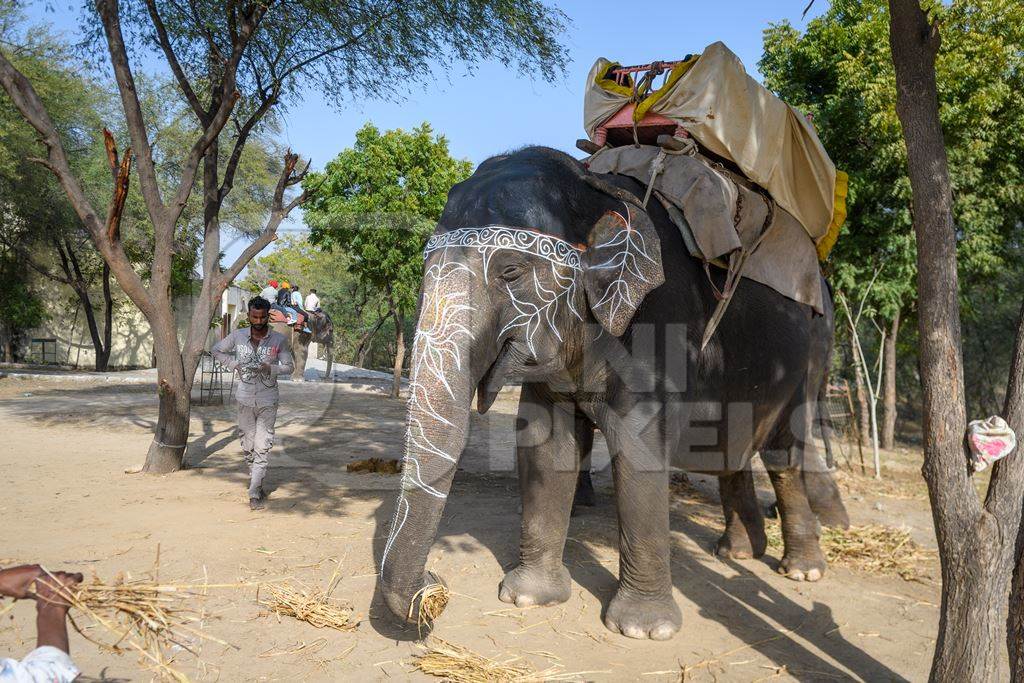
{"type": "Point", "coordinates": [68, 504]}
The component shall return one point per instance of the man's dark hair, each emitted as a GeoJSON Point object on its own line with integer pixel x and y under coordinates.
{"type": "Point", "coordinates": [259, 303]}
{"type": "Point", "coordinates": [312, 291]}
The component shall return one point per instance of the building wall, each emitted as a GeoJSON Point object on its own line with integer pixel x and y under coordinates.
{"type": "Point", "coordinates": [131, 337]}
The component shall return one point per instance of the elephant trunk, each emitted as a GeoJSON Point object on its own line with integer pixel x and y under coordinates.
{"type": "Point", "coordinates": [440, 392]}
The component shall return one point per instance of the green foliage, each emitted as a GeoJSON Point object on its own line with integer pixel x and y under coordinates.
{"type": "Point", "coordinates": [379, 201]}
{"type": "Point", "coordinates": [352, 308]}
{"type": "Point", "coordinates": [351, 50]}
{"type": "Point", "coordinates": [840, 70]}
{"type": "Point", "coordinates": [20, 307]}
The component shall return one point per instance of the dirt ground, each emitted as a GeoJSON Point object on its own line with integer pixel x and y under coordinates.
{"type": "Point", "coordinates": [68, 504]}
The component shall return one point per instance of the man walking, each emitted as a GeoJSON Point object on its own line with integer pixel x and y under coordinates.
{"type": "Point", "coordinates": [258, 355]}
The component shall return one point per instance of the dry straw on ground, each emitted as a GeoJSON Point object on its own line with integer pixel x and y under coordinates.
{"type": "Point", "coordinates": [292, 598]}
{"type": "Point", "coordinates": [874, 549]}
{"type": "Point", "coordinates": [461, 665]}
{"type": "Point", "coordinates": [139, 616]}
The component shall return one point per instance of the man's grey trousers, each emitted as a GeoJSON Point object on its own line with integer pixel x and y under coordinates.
{"type": "Point", "coordinates": [257, 426]}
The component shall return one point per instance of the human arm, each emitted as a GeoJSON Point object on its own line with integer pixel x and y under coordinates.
{"type": "Point", "coordinates": [49, 662]}
{"type": "Point", "coordinates": [223, 351]}
{"type": "Point", "coordinates": [285, 363]}
{"type": "Point", "coordinates": [52, 609]}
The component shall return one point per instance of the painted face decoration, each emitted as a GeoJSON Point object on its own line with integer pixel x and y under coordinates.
{"type": "Point", "coordinates": [535, 298]}
{"type": "Point", "coordinates": [444, 327]}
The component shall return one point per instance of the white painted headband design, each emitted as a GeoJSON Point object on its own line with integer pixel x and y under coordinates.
{"type": "Point", "coordinates": [489, 238]}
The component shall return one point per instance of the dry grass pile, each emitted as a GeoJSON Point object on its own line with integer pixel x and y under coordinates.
{"type": "Point", "coordinates": [378, 465]}
{"type": "Point", "coordinates": [153, 620]}
{"type": "Point", "coordinates": [873, 549]}
{"type": "Point", "coordinates": [461, 665]}
{"type": "Point", "coordinates": [292, 598]}
{"type": "Point", "coordinates": [432, 599]}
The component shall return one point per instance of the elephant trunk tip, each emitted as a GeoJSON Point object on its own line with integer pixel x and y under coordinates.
{"type": "Point", "coordinates": [424, 606]}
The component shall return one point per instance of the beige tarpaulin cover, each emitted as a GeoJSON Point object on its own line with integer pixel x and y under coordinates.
{"type": "Point", "coordinates": [702, 201]}
{"type": "Point", "coordinates": [732, 115]}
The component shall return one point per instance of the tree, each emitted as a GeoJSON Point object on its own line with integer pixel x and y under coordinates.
{"type": "Point", "coordinates": [235, 62]}
{"type": "Point", "coordinates": [976, 539]}
{"type": "Point", "coordinates": [355, 310]}
{"type": "Point", "coordinates": [20, 307]}
{"type": "Point", "coordinates": [840, 69]}
{"type": "Point", "coordinates": [37, 223]}
{"type": "Point", "coordinates": [379, 202]}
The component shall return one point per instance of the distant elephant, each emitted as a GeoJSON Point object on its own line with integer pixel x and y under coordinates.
{"type": "Point", "coordinates": [542, 270]}
{"type": "Point", "coordinates": [322, 332]}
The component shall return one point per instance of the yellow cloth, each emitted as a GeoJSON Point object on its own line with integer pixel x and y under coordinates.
{"type": "Point", "coordinates": [735, 117]}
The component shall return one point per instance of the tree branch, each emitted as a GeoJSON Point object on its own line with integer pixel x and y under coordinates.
{"type": "Point", "coordinates": [172, 60]}
{"type": "Point", "coordinates": [278, 213]}
{"type": "Point", "coordinates": [27, 102]}
{"type": "Point", "coordinates": [111, 20]}
{"type": "Point", "coordinates": [243, 135]}
{"type": "Point", "coordinates": [122, 176]}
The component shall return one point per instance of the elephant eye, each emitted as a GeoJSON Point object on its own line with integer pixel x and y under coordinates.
{"type": "Point", "coordinates": [511, 272]}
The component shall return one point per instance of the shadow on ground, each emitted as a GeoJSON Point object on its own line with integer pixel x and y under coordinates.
{"type": "Point", "coordinates": [322, 429]}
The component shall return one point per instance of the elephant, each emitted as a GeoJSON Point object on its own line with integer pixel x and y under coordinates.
{"type": "Point", "coordinates": [542, 271]}
{"type": "Point", "coordinates": [322, 332]}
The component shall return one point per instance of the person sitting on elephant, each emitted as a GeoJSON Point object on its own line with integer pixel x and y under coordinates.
{"type": "Point", "coordinates": [302, 315]}
{"type": "Point", "coordinates": [270, 291]}
{"type": "Point", "coordinates": [312, 304]}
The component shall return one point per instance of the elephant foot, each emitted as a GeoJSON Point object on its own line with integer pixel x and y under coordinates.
{"type": "Point", "coordinates": [740, 543]}
{"type": "Point", "coordinates": [806, 565]}
{"type": "Point", "coordinates": [526, 587]}
{"type": "Point", "coordinates": [643, 617]}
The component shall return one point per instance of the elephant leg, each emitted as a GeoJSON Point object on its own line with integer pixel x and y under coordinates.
{"type": "Point", "coordinates": [584, 445]}
{"type": "Point", "coordinates": [643, 606]}
{"type": "Point", "coordinates": [744, 536]}
{"type": "Point", "coordinates": [548, 464]}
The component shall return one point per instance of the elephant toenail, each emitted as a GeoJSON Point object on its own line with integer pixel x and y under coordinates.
{"type": "Point", "coordinates": [663, 632]}
{"type": "Point", "coordinates": [813, 574]}
{"type": "Point", "coordinates": [796, 575]}
{"type": "Point", "coordinates": [634, 632]}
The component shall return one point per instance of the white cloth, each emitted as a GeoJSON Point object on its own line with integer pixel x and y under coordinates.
{"type": "Point", "coordinates": [296, 299]}
{"type": "Point", "coordinates": [269, 293]}
{"type": "Point", "coordinates": [990, 440]}
{"type": "Point", "coordinates": [45, 664]}
{"type": "Point", "coordinates": [312, 302]}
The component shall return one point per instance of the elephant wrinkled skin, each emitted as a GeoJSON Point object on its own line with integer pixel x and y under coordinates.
{"type": "Point", "coordinates": [544, 272]}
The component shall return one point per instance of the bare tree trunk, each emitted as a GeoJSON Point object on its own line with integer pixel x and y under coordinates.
{"type": "Point", "coordinates": [174, 387]}
{"type": "Point", "coordinates": [889, 385]}
{"type": "Point", "coordinates": [359, 358]}
{"type": "Point", "coordinates": [1013, 412]}
{"type": "Point", "coordinates": [396, 388]}
{"type": "Point", "coordinates": [976, 541]}
{"type": "Point", "coordinates": [863, 412]}
{"type": "Point", "coordinates": [103, 353]}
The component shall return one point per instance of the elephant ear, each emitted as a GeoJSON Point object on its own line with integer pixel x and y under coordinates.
{"type": "Point", "coordinates": [622, 264]}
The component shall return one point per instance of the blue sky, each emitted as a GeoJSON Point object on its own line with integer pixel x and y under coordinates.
{"type": "Point", "coordinates": [491, 109]}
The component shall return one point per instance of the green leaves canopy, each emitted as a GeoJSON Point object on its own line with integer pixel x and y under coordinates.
{"type": "Point", "coordinates": [840, 70]}
{"type": "Point", "coordinates": [379, 201]}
